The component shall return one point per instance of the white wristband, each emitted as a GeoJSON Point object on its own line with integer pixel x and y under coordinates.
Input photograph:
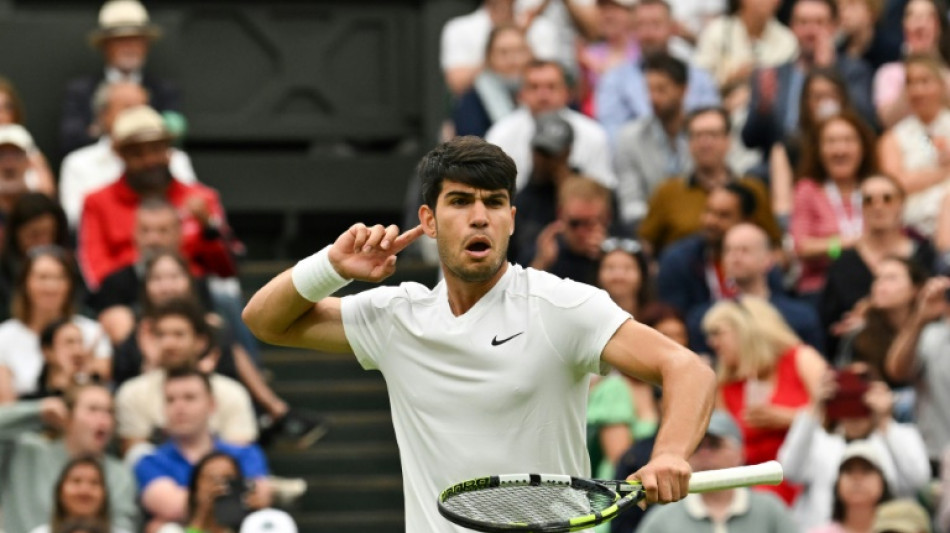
{"type": "Point", "coordinates": [315, 278]}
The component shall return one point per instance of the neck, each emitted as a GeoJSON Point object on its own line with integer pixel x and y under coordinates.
{"type": "Point", "coordinates": [845, 186]}
{"type": "Point", "coordinates": [927, 116]}
{"type": "Point", "coordinates": [859, 518]}
{"type": "Point", "coordinates": [194, 447]}
{"type": "Point", "coordinates": [73, 449]}
{"type": "Point", "coordinates": [754, 25]}
{"type": "Point", "coordinates": [673, 124]}
{"type": "Point", "coordinates": [755, 286]}
{"type": "Point", "coordinates": [719, 499]}
{"type": "Point", "coordinates": [463, 295]}
{"type": "Point", "coordinates": [897, 317]}
{"type": "Point", "coordinates": [712, 177]}
{"type": "Point", "coordinates": [41, 318]}
{"type": "Point", "coordinates": [882, 239]}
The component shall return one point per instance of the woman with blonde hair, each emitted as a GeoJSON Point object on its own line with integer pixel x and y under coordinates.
{"type": "Point", "coordinates": [766, 375]}
{"type": "Point", "coordinates": [916, 150]}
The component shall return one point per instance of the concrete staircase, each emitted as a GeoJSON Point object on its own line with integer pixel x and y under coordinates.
{"type": "Point", "coordinates": [353, 473]}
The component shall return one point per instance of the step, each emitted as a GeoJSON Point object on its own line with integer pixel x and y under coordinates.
{"type": "Point", "coordinates": [335, 395]}
{"type": "Point", "coordinates": [335, 459]}
{"type": "Point", "coordinates": [353, 493]}
{"type": "Point", "coordinates": [359, 426]}
{"type": "Point", "coordinates": [295, 364]}
{"type": "Point", "coordinates": [368, 521]}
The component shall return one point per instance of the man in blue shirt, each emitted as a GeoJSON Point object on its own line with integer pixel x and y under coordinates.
{"type": "Point", "coordinates": [163, 475]}
{"type": "Point", "coordinates": [622, 93]}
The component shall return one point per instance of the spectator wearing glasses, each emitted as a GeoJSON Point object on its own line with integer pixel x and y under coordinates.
{"type": "Point", "coordinates": [850, 276]}
{"type": "Point", "coordinates": [675, 210]}
{"type": "Point", "coordinates": [572, 245]}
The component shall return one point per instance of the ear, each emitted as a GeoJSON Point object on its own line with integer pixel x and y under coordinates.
{"type": "Point", "coordinates": [514, 210]}
{"type": "Point", "coordinates": [427, 220]}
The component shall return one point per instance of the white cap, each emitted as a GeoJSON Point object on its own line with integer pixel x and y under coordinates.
{"type": "Point", "coordinates": [123, 18]}
{"type": "Point", "coordinates": [16, 135]}
{"type": "Point", "coordinates": [139, 124]}
{"type": "Point", "coordinates": [268, 521]}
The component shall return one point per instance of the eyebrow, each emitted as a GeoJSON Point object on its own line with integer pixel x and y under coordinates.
{"type": "Point", "coordinates": [465, 194]}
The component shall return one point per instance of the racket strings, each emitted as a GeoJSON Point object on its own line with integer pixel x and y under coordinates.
{"type": "Point", "coordinates": [530, 504]}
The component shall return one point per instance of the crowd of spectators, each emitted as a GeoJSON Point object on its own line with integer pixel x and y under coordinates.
{"type": "Point", "coordinates": [766, 182]}
{"type": "Point", "coordinates": [131, 397]}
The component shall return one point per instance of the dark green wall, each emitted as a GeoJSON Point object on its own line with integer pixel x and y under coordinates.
{"type": "Point", "coordinates": [293, 106]}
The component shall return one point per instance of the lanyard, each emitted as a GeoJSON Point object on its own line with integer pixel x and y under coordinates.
{"type": "Point", "coordinates": [850, 226]}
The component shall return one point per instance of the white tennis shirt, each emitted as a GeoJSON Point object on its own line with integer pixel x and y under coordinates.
{"type": "Point", "coordinates": [500, 389]}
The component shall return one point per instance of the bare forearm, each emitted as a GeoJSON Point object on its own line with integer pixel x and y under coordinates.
{"type": "Point", "coordinates": [274, 309]}
{"type": "Point", "coordinates": [901, 356]}
{"type": "Point", "coordinates": [688, 398]}
{"type": "Point", "coordinates": [585, 19]}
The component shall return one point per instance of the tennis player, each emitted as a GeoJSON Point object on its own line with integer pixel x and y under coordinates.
{"type": "Point", "coordinates": [489, 371]}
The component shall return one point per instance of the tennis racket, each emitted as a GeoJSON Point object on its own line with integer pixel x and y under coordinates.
{"type": "Point", "coordinates": [551, 503]}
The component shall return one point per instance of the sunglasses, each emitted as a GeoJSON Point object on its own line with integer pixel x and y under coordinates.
{"type": "Point", "coordinates": [870, 199]}
{"type": "Point", "coordinates": [630, 246]}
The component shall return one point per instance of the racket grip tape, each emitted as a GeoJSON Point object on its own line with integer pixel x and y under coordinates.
{"type": "Point", "coordinates": [768, 473]}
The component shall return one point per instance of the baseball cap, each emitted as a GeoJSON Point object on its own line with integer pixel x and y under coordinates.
{"type": "Point", "coordinates": [722, 425]}
{"type": "Point", "coordinates": [123, 18]}
{"type": "Point", "coordinates": [901, 516]}
{"type": "Point", "coordinates": [139, 124]}
{"type": "Point", "coordinates": [552, 134]}
{"type": "Point", "coordinates": [268, 521]}
{"type": "Point", "coordinates": [16, 135]}
{"type": "Point", "coordinates": [862, 449]}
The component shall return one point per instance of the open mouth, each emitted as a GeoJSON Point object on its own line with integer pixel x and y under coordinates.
{"type": "Point", "coordinates": [478, 247]}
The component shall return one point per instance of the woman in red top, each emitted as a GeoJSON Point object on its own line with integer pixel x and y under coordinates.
{"type": "Point", "coordinates": [826, 211]}
{"type": "Point", "coordinates": [766, 375]}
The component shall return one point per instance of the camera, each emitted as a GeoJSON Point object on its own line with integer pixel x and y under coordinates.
{"type": "Point", "coordinates": [229, 508]}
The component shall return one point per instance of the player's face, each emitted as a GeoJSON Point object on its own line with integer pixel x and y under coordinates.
{"type": "Point", "coordinates": [472, 228]}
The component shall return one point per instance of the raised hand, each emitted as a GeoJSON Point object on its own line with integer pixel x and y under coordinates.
{"type": "Point", "coordinates": [369, 253]}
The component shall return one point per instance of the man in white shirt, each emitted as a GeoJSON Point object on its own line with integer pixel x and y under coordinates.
{"type": "Point", "coordinates": [97, 165]}
{"type": "Point", "coordinates": [545, 90]}
{"type": "Point", "coordinates": [489, 371]}
{"type": "Point", "coordinates": [181, 335]}
{"type": "Point", "coordinates": [465, 39]}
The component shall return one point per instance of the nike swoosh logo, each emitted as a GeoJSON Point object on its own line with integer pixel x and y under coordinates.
{"type": "Point", "coordinates": [496, 342]}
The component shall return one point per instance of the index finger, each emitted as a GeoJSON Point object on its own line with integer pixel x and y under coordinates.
{"type": "Point", "coordinates": [407, 238]}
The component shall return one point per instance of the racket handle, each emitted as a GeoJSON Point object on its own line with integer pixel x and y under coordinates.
{"type": "Point", "coordinates": [768, 473]}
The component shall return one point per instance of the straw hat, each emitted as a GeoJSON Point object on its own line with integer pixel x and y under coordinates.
{"type": "Point", "coordinates": [139, 124]}
{"type": "Point", "coordinates": [123, 18]}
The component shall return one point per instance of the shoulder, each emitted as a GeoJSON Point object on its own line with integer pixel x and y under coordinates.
{"type": "Point", "coordinates": [584, 125]}
{"type": "Point", "coordinates": [689, 247]}
{"type": "Point", "coordinates": [550, 289]}
{"type": "Point", "coordinates": [83, 84]}
{"type": "Point", "coordinates": [510, 125]}
{"type": "Point", "coordinates": [386, 296]}
{"type": "Point", "coordinates": [807, 185]}
{"type": "Point", "coordinates": [135, 388]}
{"type": "Point", "coordinates": [766, 501]}
{"type": "Point", "coordinates": [780, 32]}
{"type": "Point", "coordinates": [223, 385]}
{"type": "Point", "coordinates": [12, 328]}
{"type": "Point", "coordinates": [631, 131]}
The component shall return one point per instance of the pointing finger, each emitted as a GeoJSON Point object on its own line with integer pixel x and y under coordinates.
{"type": "Point", "coordinates": [407, 238]}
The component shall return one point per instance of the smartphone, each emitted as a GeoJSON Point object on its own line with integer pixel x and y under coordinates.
{"type": "Point", "coordinates": [848, 401]}
{"type": "Point", "coordinates": [229, 509]}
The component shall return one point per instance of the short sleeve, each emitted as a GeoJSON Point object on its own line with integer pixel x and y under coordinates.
{"type": "Point", "coordinates": [580, 322]}
{"type": "Point", "coordinates": [131, 420]}
{"type": "Point", "coordinates": [253, 463]}
{"type": "Point", "coordinates": [148, 469]}
{"type": "Point", "coordinates": [367, 323]}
